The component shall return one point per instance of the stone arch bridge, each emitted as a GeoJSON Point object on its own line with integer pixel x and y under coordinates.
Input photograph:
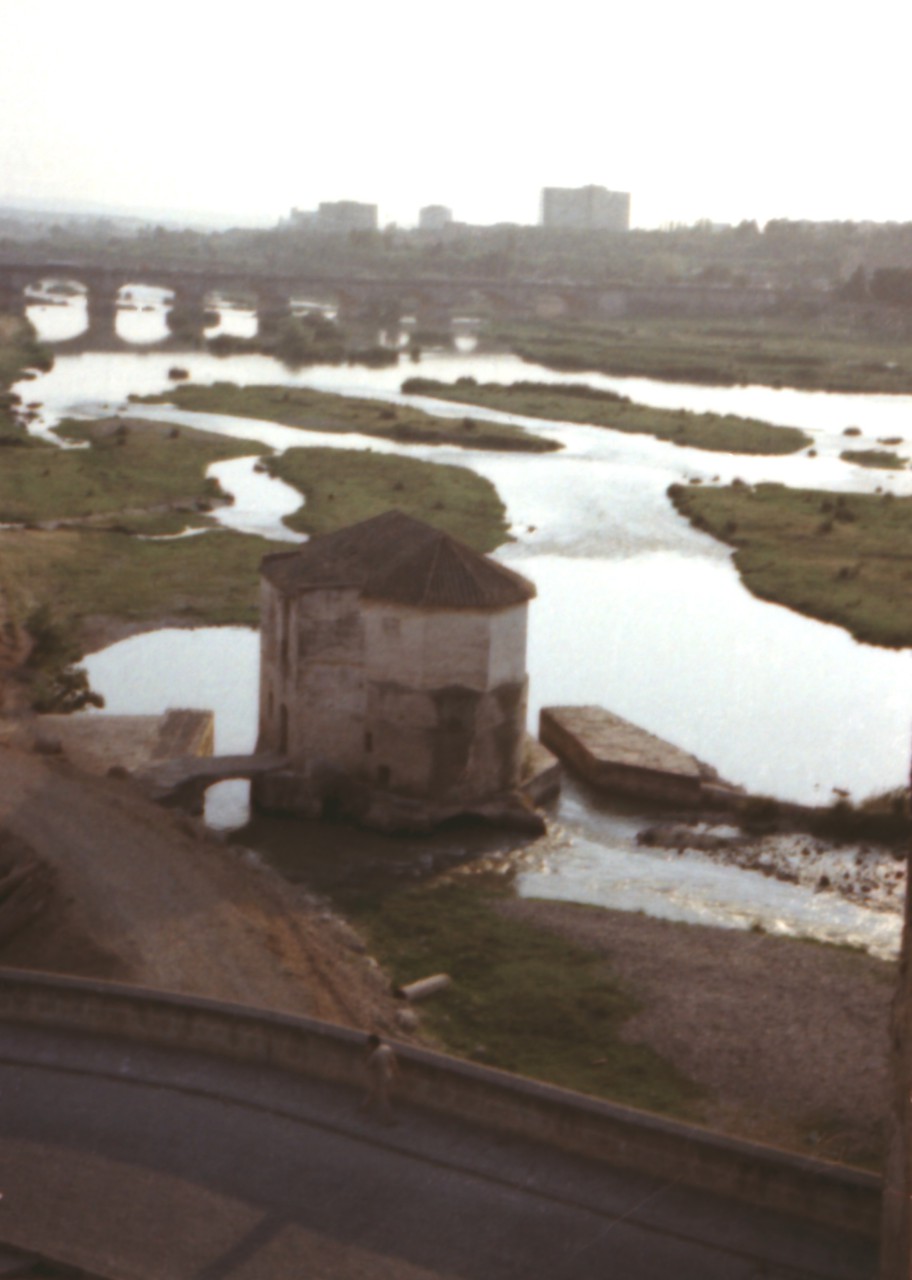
{"type": "Point", "coordinates": [432, 301]}
{"type": "Point", "coordinates": [181, 783]}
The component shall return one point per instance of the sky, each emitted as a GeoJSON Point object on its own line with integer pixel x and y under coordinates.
{"type": "Point", "coordinates": [699, 108]}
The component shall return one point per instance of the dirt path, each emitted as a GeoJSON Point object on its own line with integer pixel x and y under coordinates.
{"type": "Point", "coordinates": [147, 896]}
{"type": "Point", "coordinates": [788, 1037]}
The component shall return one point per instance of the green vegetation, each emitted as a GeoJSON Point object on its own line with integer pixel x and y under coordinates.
{"type": "Point", "coordinates": [131, 467]}
{"type": "Point", "coordinates": [142, 477]}
{"type": "Point", "coordinates": [561, 403]}
{"type": "Point", "coordinates": [844, 558]}
{"type": "Point", "coordinates": [57, 684]}
{"type": "Point", "coordinates": [522, 998]}
{"type": "Point", "coordinates": [342, 486]}
{"type": "Point", "coordinates": [883, 459]}
{"type": "Point", "coordinates": [775, 352]}
{"type": "Point", "coordinates": [18, 351]}
{"type": "Point", "coordinates": [319, 411]}
{"type": "Point", "coordinates": [92, 575]}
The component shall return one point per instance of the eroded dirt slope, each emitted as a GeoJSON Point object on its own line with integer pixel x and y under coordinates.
{"type": "Point", "coordinates": [145, 895]}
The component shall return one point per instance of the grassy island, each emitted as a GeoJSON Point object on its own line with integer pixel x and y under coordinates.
{"type": "Point", "coordinates": [320, 411]}
{"type": "Point", "coordinates": [775, 351]}
{"type": "Point", "coordinates": [77, 553]}
{"type": "Point", "coordinates": [556, 401]}
{"type": "Point", "coordinates": [879, 459]}
{"type": "Point", "coordinates": [843, 558]}
{"type": "Point", "coordinates": [342, 486]}
{"type": "Point", "coordinates": [133, 472]}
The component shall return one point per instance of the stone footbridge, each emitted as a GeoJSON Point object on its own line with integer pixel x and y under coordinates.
{"type": "Point", "coordinates": [182, 783]}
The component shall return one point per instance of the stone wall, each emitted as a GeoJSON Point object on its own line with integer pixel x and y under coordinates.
{"type": "Point", "coordinates": [427, 704]}
{"type": "Point", "coordinates": [612, 775]}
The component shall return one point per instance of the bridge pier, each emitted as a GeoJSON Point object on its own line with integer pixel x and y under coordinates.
{"type": "Point", "coordinates": [12, 294]}
{"type": "Point", "coordinates": [272, 308]}
{"type": "Point", "coordinates": [187, 317]}
{"type": "Point", "coordinates": [101, 311]}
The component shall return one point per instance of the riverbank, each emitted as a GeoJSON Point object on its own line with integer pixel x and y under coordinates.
{"type": "Point", "coordinates": [786, 1040]}
{"type": "Point", "coordinates": [321, 411]}
{"type": "Point", "coordinates": [842, 558]}
{"type": "Point", "coordinates": [561, 402]}
{"type": "Point", "coordinates": [19, 352]}
{"type": "Point", "coordinates": [769, 351]}
{"type": "Point", "coordinates": [708, 1025]}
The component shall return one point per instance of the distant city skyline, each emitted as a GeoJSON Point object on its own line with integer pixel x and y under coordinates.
{"type": "Point", "coordinates": [702, 111]}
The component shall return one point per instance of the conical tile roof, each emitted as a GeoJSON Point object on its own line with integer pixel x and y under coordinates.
{"type": "Point", "coordinates": [395, 558]}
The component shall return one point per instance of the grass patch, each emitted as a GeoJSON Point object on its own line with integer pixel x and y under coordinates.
{"type": "Point", "coordinates": [343, 486]}
{"type": "Point", "coordinates": [319, 411]}
{"type": "Point", "coordinates": [842, 558]}
{"type": "Point", "coordinates": [884, 459]}
{"type": "Point", "coordinates": [770, 351]}
{"type": "Point", "coordinates": [522, 999]}
{"type": "Point", "coordinates": [129, 467]}
{"type": "Point", "coordinates": [85, 574]}
{"type": "Point", "coordinates": [556, 402]}
{"type": "Point", "coordinates": [132, 481]}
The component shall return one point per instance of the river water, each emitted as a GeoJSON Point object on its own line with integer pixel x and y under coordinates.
{"type": "Point", "coordinates": [636, 610]}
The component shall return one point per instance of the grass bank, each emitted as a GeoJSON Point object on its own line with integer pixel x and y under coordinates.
{"type": "Point", "coordinates": [521, 998]}
{"type": "Point", "coordinates": [319, 411]}
{"type": "Point", "coordinates": [556, 402]}
{"type": "Point", "coordinates": [88, 576]}
{"type": "Point", "coordinates": [843, 558]}
{"type": "Point", "coordinates": [94, 575]}
{"type": "Point", "coordinates": [130, 467]}
{"type": "Point", "coordinates": [342, 486]}
{"type": "Point", "coordinates": [773, 352]}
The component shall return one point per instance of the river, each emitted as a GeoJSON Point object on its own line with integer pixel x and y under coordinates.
{"type": "Point", "coordinates": [636, 610]}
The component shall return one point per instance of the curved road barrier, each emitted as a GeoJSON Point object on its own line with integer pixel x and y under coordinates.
{"type": "Point", "coordinates": [816, 1191]}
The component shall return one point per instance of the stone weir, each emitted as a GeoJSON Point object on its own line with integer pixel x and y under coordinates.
{"type": "Point", "coordinates": [615, 755]}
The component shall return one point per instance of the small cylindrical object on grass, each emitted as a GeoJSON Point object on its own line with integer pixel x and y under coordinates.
{"type": "Point", "coordinates": [423, 987]}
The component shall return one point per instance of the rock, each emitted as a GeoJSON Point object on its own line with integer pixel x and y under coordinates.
{"type": "Point", "coordinates": [407, 1020]}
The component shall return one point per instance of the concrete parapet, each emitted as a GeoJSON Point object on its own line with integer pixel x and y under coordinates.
{"type": "Point", "coordinates": [813, 1190]}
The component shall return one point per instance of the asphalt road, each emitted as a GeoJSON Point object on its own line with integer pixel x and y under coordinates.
{"type": "Point", "coordinates": [137, 1164]}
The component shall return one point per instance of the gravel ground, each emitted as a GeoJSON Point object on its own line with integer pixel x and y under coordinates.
{"type": "Point", "coordinates": [789, 1038]}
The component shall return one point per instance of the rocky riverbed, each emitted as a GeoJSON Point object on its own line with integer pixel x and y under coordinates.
{"type": "Point", "coordinates": [869, 875]}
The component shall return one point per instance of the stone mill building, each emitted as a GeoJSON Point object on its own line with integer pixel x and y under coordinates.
{"type": "Point", "coordinates": [393, 675]}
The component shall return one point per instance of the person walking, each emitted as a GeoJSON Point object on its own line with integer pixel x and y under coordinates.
{"type": "Point", "coordinates": [382, 1069]}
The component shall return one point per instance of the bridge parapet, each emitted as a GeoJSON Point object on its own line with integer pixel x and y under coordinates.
{"type": "Point", "coordinates": [813, 1190]}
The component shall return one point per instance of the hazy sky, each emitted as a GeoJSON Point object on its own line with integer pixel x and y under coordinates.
{"type": "Point", "coordinates": [700, 108]}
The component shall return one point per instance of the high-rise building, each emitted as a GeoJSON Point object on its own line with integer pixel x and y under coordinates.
{"type": "Point", "coordinates": [434, 217]}
{"type": "Point", "coordinates": [585, 209]}
{"type": "Point", "coordinates": [346, 215]}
